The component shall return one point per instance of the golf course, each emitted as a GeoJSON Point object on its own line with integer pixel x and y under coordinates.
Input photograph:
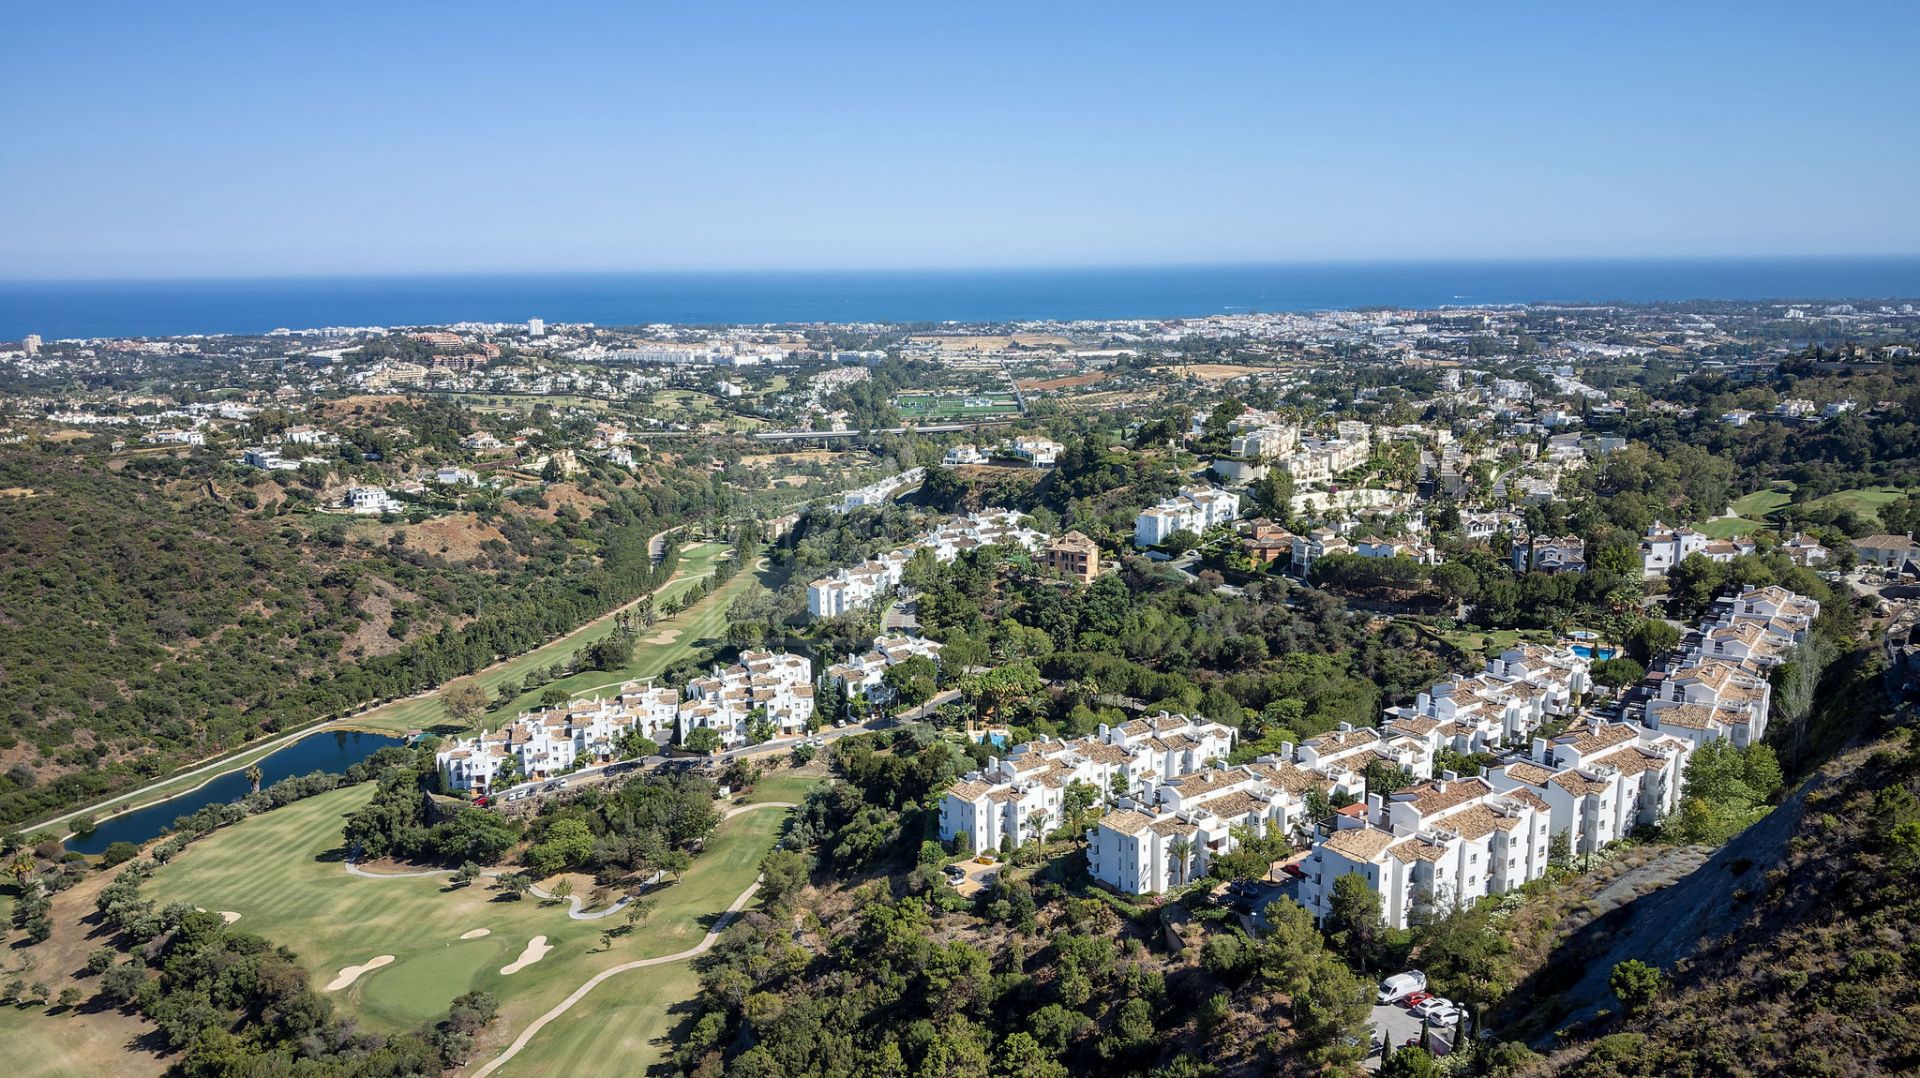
{"type": "Point", "coordinates": [418, 941]}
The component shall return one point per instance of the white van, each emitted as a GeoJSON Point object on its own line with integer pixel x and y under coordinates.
{"type": "Point", "coordinates": [1401, 984]}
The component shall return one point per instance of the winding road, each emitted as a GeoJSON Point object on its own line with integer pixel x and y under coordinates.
{"type": "Point", "coordinates": [706, 944]}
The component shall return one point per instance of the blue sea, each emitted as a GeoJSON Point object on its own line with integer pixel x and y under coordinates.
{"type": "Point", "coordinates": [57, 309]}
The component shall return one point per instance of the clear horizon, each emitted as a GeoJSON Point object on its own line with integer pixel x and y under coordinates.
{"type": "Point", "coordinates": [926, 270]}
{"type": "Point", "coordinates": [230, 142]}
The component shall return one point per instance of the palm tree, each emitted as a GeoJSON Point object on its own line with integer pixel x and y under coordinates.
{"type": "Point", "coordinates": [254, 775]}
{"type": "Point", "coordinates": [21, 868]}
{"type": "Point", "coordinates": [1178, 849]}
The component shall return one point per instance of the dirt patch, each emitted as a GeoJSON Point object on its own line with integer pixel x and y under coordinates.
{"type": "Point", "coordinates": [68, 436]}
{"type": "Point", "coordinates": [350, 974]}
{"type": "Point", "coordinates": [362, 404]}
{"type": "Point", "coordinates": [16, 492]}
{"type": "Point", "coordinates": [537, 949]}
{"type": "Point", "coordinates": [1213, 372]}
{"type": "Point", "coordinates": [456, 537]}
{"type": "Point", "coordinates": [1068, 383]}
{"type": "Point", "coordinates": [476, 933]}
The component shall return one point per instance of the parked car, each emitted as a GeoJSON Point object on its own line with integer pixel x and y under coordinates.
{"type": "Point", "coordinates": [1414, 999]}
{"type": "Point", "coordinates": [1430, 1007]}
{"type": "Point", "coordinates": [956, 872]}
{"type": "Point", "coordinates": [1400, 984]}
{"type": "Point", "coordinates": [1446, 1017]}
{"type": "Point", "coordinates": [560, 785]}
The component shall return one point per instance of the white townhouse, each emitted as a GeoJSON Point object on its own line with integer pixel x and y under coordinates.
{"type": "Point", "coordinates": [863, 675]}
{"type": "Point", "coordinates": [1432, 847]}
{"type": "Point", "coordinates": [1502, 705]}
{"type": "Point", "coordinates": [1316, 544]}
{"type": "Point", "coordinates": [1318, 460]}
{"type": "Point", "coordinates": [1272, 440]}
{"type": "Point", "coordinates": [967, 453]}
{"type": "Point", "coordinates": [776, 684]}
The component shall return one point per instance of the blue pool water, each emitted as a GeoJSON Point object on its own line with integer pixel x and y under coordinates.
{"type": "Point", "coordinates": [1586, 651]}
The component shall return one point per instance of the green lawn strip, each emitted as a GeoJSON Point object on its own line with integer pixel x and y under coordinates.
{"type": "Point", "coordinates": [426, 712]}
{"type": "Point", "coordinates": [1730, 527]}
{"type": "Point", "coordinates": [280, 871]}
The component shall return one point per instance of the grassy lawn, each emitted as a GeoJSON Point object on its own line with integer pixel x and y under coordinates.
{"type": "Point", "coordinates": [281, 872]}
{"type": "Point", "coordinates": [423, 713]}
{"type": "Point", "coordinates": [1479, 642]}
{"type": "Point", "coordinates": [54, 1042]}
{"type": "Point", "coordinates": [1730, 527]}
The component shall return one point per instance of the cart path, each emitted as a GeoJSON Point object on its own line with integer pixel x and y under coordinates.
{"type": "Point", "coordinates": [706, 944]}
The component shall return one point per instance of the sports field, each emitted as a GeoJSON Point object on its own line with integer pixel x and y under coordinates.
{"type": "Point", "coordinates": [282, 873]}
{"type": "Point", "coordinates": [954, 407]}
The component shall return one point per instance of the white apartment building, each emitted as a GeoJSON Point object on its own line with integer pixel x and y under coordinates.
{"type": "Point", "coordinates": [863, 675]}
{"type": "Point", "coordinates": [1015, 799]}
{"type": "Point", "coordinates": [1192, 510]}
{"type": "Point", "coordinates": [851, 589]}
{"type": "Point", "coordinates": [557, 740]}
{"type": "Point", "coordinates": [1270, 441]}
{"type": "Point", "coordinates": [1431, 846]}
{"type": "Point", "coordinates": [172, 436]}
{"type": "Point", "coordinates": [1501, 705]}
{"type": "Point", "coordinates": [1318, 460]}
{"type": "Point", "coordinates": [1717, 686]}
{"type": "Point", "coordinates": [1600, 780]}
{"type": "Point", "coordinates": [1148, 846]}
{"type": "Point", "coordinates": [776, 685]}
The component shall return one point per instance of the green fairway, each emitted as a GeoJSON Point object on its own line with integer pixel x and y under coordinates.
{"type": "Point", "coordinates": [426, 712]}
{"type": "Point", "coordinates": [282, 873]}
{"type": "Point", "coordinates": [1763, 503]}
{"type": "Point", "coordinates": [628, 1018]}
{"type": "Point", "coordinates": [1865, 501]}
{"type": "Point", "coordinates": [1730, 527]}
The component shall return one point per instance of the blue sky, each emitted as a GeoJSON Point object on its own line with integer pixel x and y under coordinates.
{"type": "Point", "coordinates": [162, 140]}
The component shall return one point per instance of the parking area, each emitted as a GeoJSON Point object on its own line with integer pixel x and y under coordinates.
{"type": "Point", "coordinates": [974, 877]}
{"type": "Point", "coordinates": [1395, 1026]}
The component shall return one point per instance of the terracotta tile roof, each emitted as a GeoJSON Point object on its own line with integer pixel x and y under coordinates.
{"type": "Point", "coordinates": [1359, 843]}
{"type": "Point", "coordinates": [1126, 821]}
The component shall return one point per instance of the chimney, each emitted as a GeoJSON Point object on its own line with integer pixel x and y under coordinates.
{"type": "Point", "coordinates": [1346, 728]}
{"type": "Point", "coordinates": [1540, 749]}
{"type": "Point", "coordinates": [1449, 776]}
{"type": "Point", "coordinates": [1286, 750]}
{"type": "Point", "coordinates": [1375, 805]}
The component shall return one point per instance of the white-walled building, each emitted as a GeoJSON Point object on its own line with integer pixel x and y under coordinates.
{"type": "Point", "coordinates": [863, 674]}
{"type": "Point", "coordinates": [372, 501]}
{"type": "Point", "coordinates": [776, 685]}
{"type": "Point", "coordinates": [851, 589]}
{"type": "Point", "coordinates": [1191, 510]}
{"type": "Point", "coordinates": [1662, 548]}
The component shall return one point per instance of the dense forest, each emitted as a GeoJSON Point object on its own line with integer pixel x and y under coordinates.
{"type": "Point", "coordinates": [148, 616]}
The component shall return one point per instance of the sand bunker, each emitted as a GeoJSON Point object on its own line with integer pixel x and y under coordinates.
{"type": "Point", "coordinates": [225, 915]}
{"type": "Point", "coordinates": [684, 547]}
{"type": "Point", "coordinates": [536, 950]}
{"type": "Point", "coordinates": [476, 933]}
{"type": "Point", "coordinates": [352, 973]}
{"type": "Point", "coordinates": [667, 637]}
